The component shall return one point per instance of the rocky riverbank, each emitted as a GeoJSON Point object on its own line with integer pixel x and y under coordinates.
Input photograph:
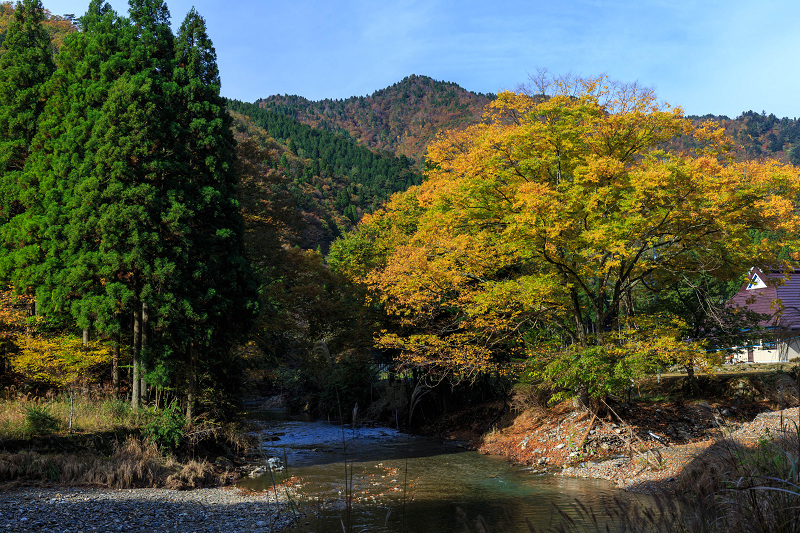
{"type": "Point", "coordinates": [227, 510]}
{"type": "Point", "coordinates": [645, 453]}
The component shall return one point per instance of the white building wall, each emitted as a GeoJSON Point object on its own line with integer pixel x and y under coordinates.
{"type": "Point", "coordinates": [783, 349]}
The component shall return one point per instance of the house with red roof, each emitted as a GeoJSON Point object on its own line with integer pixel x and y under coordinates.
{"type": "Point", "coordinates": [776, 295]}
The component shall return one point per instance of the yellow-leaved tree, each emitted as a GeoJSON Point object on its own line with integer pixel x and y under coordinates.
{"type": "Point", "coordinates": [538, 232]}
{"type": "Point", "coordinates": [61, 361]}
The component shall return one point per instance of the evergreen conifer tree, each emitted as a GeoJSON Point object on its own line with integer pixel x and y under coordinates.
{"type": "Point", "coordinates": [26, 63]}
{"type": "Point", "coordinates": [216, 291]}
{"type": "Point", "coordinates": [129, 220]}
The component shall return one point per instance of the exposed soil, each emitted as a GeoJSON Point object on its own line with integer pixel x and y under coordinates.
{"type": "Point", "coordinates": [641, 445]}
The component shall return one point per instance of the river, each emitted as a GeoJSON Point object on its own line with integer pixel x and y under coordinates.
{"type": "Point", "coordinates": [397, 482]}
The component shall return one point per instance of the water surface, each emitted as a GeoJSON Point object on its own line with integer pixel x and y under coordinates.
{"type": "Point", "coordinates": [403, 483]}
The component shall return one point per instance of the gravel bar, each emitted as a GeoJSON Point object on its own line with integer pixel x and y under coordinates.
{"type": "Point", "coordinates": [80, 510]}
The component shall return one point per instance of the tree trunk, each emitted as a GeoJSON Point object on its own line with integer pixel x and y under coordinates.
{"type": "Point", "coordinates": [576, 311]}
{"type": "Point", "coordinates": [137, 345]}
{"type": "Point", "coordinates": [143, 333]}
{"type": "Point", "coordinates": [115, 368]}
{"type": "Point", "coordinates": [694, 389]}
{"type": "Point", "coordinates": [191, 393]}
{"type": "Point", "coordinates": [85, 336]}
{"type": "Point", "coordinates": [582, 398]}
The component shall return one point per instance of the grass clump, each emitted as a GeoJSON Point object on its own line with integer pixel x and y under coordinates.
{"type": "Point", "coordinates": [749, 488]}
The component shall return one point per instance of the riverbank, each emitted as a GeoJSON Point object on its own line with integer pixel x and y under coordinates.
{"type": "Point", "coordinates": [645, 450]}
{"type": "Point", "coordinates": [229, 510]}
{"type": "Point", "coordinates": [656, 468]}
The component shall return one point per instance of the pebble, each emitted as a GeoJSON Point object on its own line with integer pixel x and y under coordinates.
{"type": "Point", "coordinates": [228, 510]}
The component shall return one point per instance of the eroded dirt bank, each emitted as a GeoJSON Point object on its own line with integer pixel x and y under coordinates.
{"type": "Point", "coordinates": [639, 445]}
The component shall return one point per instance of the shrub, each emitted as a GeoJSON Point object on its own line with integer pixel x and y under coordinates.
{"type": "Point", "coordinates": [532, 397]}
{"type": "Point", "coordinates": [165, 427]}
{"type": "Point", "coordinates": [39, 421]}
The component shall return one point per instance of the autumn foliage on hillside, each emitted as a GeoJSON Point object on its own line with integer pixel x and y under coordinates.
{"type": "Point", "coordinates": [758, 135]}
{"type": "Point", "coordinates": [402, 119]}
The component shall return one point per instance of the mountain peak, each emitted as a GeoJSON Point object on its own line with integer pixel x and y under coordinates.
{"type": "Point", "coordinates": [402, 118]}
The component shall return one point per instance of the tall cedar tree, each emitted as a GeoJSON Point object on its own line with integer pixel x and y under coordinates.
{"type": "Point", "coordinates": [143, 176]}
{"type": "Point", "coordinates": [55, 249]}
{"type": "Point", "coordinates": [216, 296]}
{"type": "Point", "coordinates": [26, 63]}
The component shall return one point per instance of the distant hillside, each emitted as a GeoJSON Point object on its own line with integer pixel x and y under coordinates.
{"type": "Point", "coordinates": [56, 25]}
{"type": "Point", "coordinates": [330, 180]}
{"type": "Point", "coordinates": [405, 117]}
{"type": "Point", "coordinates": [758, 135]}
{"type": "Point", "coordinates": [401, 119]}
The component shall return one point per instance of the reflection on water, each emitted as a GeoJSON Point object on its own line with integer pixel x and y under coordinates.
{"type": "Point", "coordinates": [399, 482]}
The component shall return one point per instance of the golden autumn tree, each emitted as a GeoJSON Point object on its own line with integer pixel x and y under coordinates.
{"type": "Point", "coordinates": [14, 313]}
{"type": "Point", "coordinates": [45, 360]}
{"type": "Point", "coordinates": [537, 232]}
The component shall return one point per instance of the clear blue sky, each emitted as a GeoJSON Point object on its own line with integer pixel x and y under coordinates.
{"type": "Point", "coordinates": [708, 56]}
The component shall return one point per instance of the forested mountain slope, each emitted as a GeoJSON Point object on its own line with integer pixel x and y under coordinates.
{"type": "Point", "coordinates": [402, 118]}
{"type": "Point", "coordinates": [405, 117]}
{"type": "Point", "coordinates": [758, 135]}
{"type": "Point", "coordinates": [332, 179]}
{"type": "Point", "coordinates": [56, 26]}
{"type": "Point", "coordinates": [297, 206]}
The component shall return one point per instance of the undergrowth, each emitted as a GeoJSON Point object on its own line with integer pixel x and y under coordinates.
{"type": "Point", "coordinates": [23, 417]}
{"type": "Point", "coordinates": [135, 463]}
{"type": "Point", "coordinates": [112, 445]}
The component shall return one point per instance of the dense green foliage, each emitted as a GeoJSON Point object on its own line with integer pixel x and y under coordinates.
{"type": "Point", "coordinates": [124, 220]}
{"type": "Point", "coordinates": [26, 63]}
{"type": "Point", "coordinates": [373, 177]}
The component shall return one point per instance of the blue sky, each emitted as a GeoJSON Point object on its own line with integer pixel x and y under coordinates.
{"type": "Point", "coordinates": [707, 56]}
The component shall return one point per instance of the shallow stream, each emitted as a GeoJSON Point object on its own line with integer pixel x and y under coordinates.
{"type": "Point", "coordinates": [403, 483]}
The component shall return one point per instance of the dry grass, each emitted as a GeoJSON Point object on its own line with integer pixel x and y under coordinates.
{"type": "Point", "coordinates": [12, 419]}
{"type": "Point", "coordinates": [748, 488]}
{"type": "Point", "coordinates": [193, 475]}
{"type": "Point", "coordinates": [531, 398]}
{"type": "Point", "coordinates": [134, 464]}
{"type": "Point", "coordinates": [87, 414]}
{"type": "Point", "coordinates": [234, 435]}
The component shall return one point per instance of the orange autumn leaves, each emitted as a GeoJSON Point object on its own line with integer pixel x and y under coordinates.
{"type": "Point", "coordinates": [542, 226]}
